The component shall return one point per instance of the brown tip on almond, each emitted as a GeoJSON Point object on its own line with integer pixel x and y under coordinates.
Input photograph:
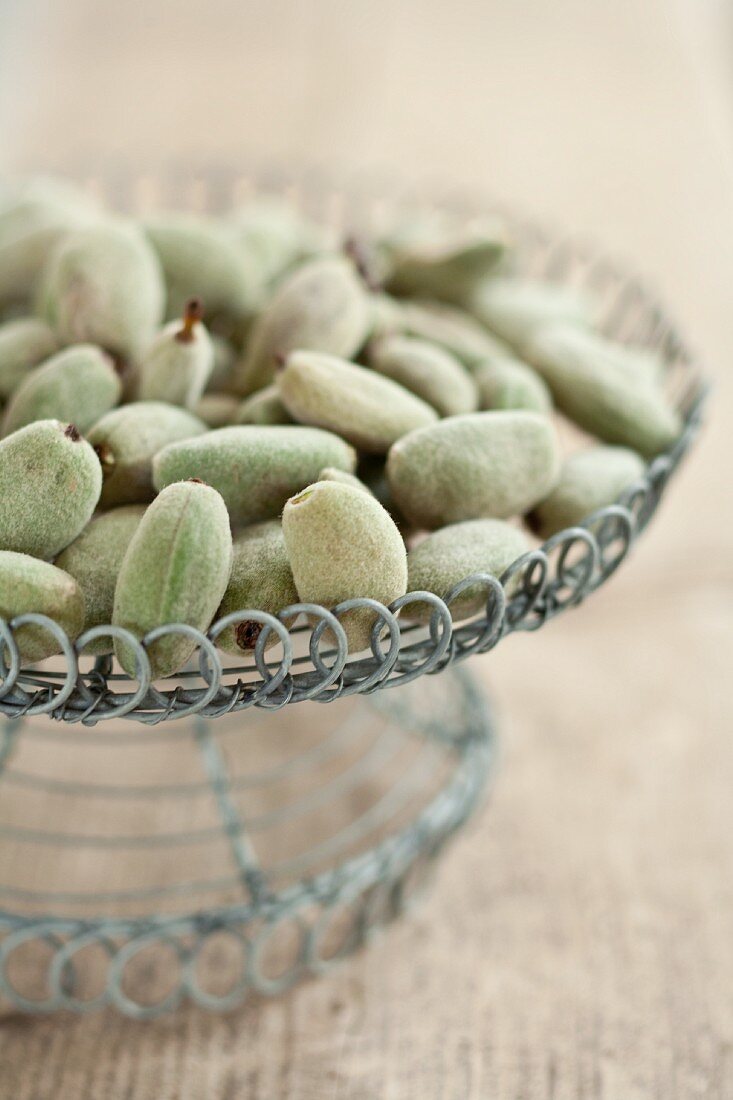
{"type": "Point", "coordinates": [106, 457]}
{"type": "Point", "coordinates": [120, 364]}
{"type": "Point", "coordinates": [247, 633]}
{"type": "Point", "coordinates": [280, 359]}
{"type": "Point", "coordinates": [196, 480]}
{"type": "Point", "coordinates": [193, 313]}
{"type": "Point", "coordinates": [360, 255]}
{"type": "Point", "coordinates": [72, 432]}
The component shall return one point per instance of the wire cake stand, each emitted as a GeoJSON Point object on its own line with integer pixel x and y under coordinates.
{"type": "Point", "coordinates": [158, 844]}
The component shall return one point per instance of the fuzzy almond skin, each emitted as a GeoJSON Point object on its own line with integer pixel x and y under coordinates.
{"type": "Point", "coordinates": [128, 439]}
{"type": "Point", "coordinates": [261, 580]}
{"type": "Point", "coordinates": [24, 343]}
{"type": "Point", "coordinates": [320, 306]}
{"type": "Point", "coordinates": [27, 584]}
{"type": "Point", "coordinates": [78, 385]}
{"type": "Point", "coordinates": [428, 371]}
{"type": "Point", "coordinates": [603, 400]}
{"type": "Point", "coordinates": [94, 560]}
{"type": "Point", "coordinates": [263, 407]}
{"type": "Point", "coordinates": [483, 465]}
{"type": "Point", "coordinates": [31, 224]}
{"type": "Point", "coordinates": [511, 384]}
{"type": "Point", "coordinates": [255, 468]}
{"type": "Point", "coordinates": [217, 410]}
{"type": "Point", "coordinates": [589, 480]}
{"type": "Point", "coordinates": [449, 555]}
{"type": "Point", "coordinates": [50, 481]}
{"type": "Point", "coordinates": [175, 570]}
{"type": "Point", "coordinates": [342, 543]}
{"type": "Point", "coordinates": [274, 236]}
{"type": "Point", "coordinates": [580, 346]}
{"type": "Point", "coordinates": [200, 258]}
{"type": "Point", "coordinates": [452, 329]}
{"type": "Point", "coordinates": [515, 309]}
{"type": "Point", "coordinates": [176, 371]}
{"type": "Point", "coordinates": [436, 262]}
{"type": "Point", "coordinates": [358, 404]}
{"type": "Point", "coordinates": [103, 285]}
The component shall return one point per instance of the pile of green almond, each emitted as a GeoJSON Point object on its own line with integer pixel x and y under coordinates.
{"type": "Point", "coordinates": [205, 415]}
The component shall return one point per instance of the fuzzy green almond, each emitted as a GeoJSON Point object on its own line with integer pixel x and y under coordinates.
{"type": "Point", "coordinates": [24, 343]}
{"type": "Point", "coordinates": [514, 309]}
{"type": "Point", "coordinates": [200, 258]}
{"type": "Point", "coordinates": [446, 557]}
{"type": "Point", "coordinates": [428, 371]}
{"type": "Point", "coordinates": [510, 384]}
{"type": "Point", "coordinates": [320, 306]}
{"type": "Point", "coordinates": [77, 385]}
{"type": "Point", "coordinates": [255, 468]}
{"type": "Point", "coordinates": [604, 400]}
{"type": "Point", "coordinates": [589, 480]}
{"type": "Point", "coordinates": [94, 560]}
{"type": "Point", "coordinates": [103, 285]}
{"type": "Point", "coordinates": [587, 350]}
{"type": "Point", "coordinates": [175, 570]}
{"type": "Point", "coordinates": [32, 222]}
{"type": "Point", "coordinates": [127, 440]}
{"type": "Point", "coordinates": [261, 580]}
{"type": "Point", "coordinates": [482, 465]}
{"type": "Point", "coordinates": [30, 585]}
{"type": "Point", "coordinates": [177, 365]}
{"type": "Point", "coordinates": [50, 481]}
{"type": "Point", "coordinates": [343, 544]}
{"type": "Point", "coordinates": [360, 405]}
{"type": "Point", "coordinates": [452, 329]}
{"type": "Point", "coordinates": [432, 260]}
{"type": "Point", "coordinates": [273, 236]}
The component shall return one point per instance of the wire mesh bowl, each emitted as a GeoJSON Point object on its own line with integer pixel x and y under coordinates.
{"type": "Point", "coordinates": [201, 859]}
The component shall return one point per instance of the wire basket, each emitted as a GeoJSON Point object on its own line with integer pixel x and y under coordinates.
{"type": "Point", "coordinates": [207, 859]}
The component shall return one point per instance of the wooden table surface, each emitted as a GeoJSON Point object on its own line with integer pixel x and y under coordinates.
{"type": "Point", "coordinates": [579, 940]}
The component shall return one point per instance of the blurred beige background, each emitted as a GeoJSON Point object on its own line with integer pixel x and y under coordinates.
{"type": "Point", "coordinates": [579, 942]}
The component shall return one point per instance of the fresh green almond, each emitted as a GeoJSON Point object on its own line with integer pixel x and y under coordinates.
{"type": "Point", "coordinates": [433, 260]}
{"type": "Point", "coordinates": [24, 343]}
{"type": "Point", "coordinates": [320, 306]}
{"type": "Point", "coordinates": [514, 309]}
{"type": "Point", "coordinates": [261, 580]}
{"type": "Point", "coordinates": [29, 585]}
{"type": "Point", "coordinates": [452, 329]}
{"type": "Point", "coordinates": [603, 400]}
{"type": "Point", "coordinates": [426, 370]}
{"type": "Point", "coordinates": [127, 439]}
{"type": "Point", "coordinates": [579, 346]}
{"type": "Point", "coordinates": [482, 465]}
{"type": "Point", "coordinates": [76, 385]}
{"type": "Point", "coordinates": [200, 258]}
{"type": "Point", "coordinates": [103, 285]}
{"type": "Point", "coordinates": [363, 407]}
{"type": "Point", "coordinates": [446, 557]}
{"type": "Point", "coordinates": [342, 544]}
{"type": "Point", "coordinates": [589, 480]}
{"type": "Point", "coordinates": [178, 363]}
{"type": "Point", "coordinates": [274, 236]}
{"type": "Point", "coordinates": [263, 407]}
{"type": "Point", "coordinates": [510, 384]}
{"type": "Point", "coordinates": [50, 481]}
{"type": "Point", "coordinates": [94, 560]}
{"type": "Point", "coordinates": [175, 570]}
{"type": "Point", "coordinates": [254, 467]}
{"type": "Point", "coordinates": [32, 222]}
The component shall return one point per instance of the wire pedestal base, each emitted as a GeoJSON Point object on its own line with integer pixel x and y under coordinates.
{"type": "Point", "coordinates": [220, 858]}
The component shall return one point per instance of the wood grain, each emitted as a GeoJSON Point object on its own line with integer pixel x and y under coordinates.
{"type": "Point", "coordinates": [579, 941]}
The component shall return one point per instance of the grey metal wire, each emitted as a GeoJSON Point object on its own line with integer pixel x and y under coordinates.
{"type": "Point", "coordinates": [424, 772]}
